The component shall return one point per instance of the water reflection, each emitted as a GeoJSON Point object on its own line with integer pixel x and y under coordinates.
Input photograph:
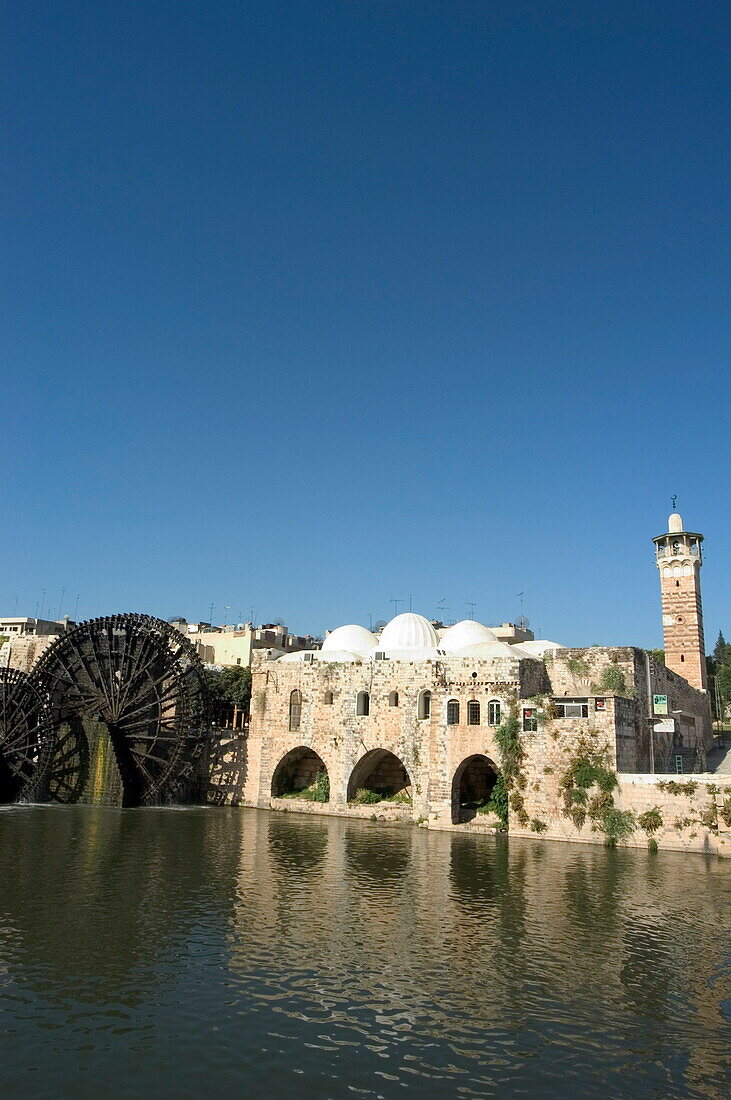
{"type": "Point", "coordinates": [255, 953]}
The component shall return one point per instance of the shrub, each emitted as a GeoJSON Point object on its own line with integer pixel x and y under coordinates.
{"type": "Point", "coordinates": [650, 820]}
{"type": "Point", "coordinates": [364, 797]}
{"type": "Point", "coordinates": [612, 679]}
{"type": "Point", "coordinates": [618, 825]}
{"type": "Point", "coordinates": [538, 826]}
{"type": "Point", "coordinates": [497, 803]}
{"type": "Point", "coordinates": [321, 787]}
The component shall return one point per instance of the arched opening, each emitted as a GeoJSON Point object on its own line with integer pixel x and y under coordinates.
{"type": "Point", "coordinates": [377, 777]}
{"type": "Point", "coordinates": [363, 704]}
{"type": "Point", "coordinates": [424, 707]}
{"type": "Point", "coordinates": [301, 774]}
{"type": "Point", "coordinates": [472, 786]}
{"type": "Point", "coordinates": [393, 699]}
{"type": "Point", "coordinates": [453, 712]}
{"type": "Point", "coordinates": [328, 698]}
{"type": "Point", "coordinates": [493, 712]}
{"type": "Point", "coordinates": [295, 709]}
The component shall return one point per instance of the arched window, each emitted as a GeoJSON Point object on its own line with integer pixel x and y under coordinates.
{"type": "Point", "coordinates": [295, 709]}
{"type": "Point", "coordinates": [493, 712]}
{"type": "Point", "coordinates": [473, 713]}
{"type": "Point", "coordinates": [393, 699]}
{"type": "Point", "coordinates": [363, 703]}
{"type": "Point", "coordinates": [328, 698]}
{"type": "Point", "coordinates": [425, 704]}
{"type": "Point", "coordinates": [453, 712]}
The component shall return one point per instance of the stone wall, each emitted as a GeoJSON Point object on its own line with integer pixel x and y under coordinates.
{"type": "Point", "coordinates": [433, 754]}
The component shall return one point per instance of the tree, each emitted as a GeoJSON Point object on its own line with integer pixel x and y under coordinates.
{"type": "Point", "coordinates": [228, 688]}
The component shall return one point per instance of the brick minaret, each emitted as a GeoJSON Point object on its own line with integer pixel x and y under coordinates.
{"type": "Point", "coordinates": [679, 559]}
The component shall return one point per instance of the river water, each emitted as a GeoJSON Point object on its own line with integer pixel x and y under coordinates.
{"type": "Point", "coordinates": [245, 953]}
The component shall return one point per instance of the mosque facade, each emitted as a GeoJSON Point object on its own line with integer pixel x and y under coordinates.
{"type": "Point", "coordinates": [409, 724]}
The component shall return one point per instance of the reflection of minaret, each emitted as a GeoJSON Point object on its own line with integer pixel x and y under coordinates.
{"type": "Point", "coordinates": [679, 559]}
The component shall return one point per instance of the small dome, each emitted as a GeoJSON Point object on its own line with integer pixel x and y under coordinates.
{"type": "Point", "coordinates": [408, 631]}
{"type": "Point", "coordinates": [468, 632]}
{"type": "Point", "coordinates": [675, 523]}
{"type": "Point", "coordinates": [351, 639]}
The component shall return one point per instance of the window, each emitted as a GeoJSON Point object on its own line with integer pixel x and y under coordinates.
{"type": "Point", "coordinates": [530, 720]}
{"type": "Point", "coordinates": [425, 705]}
{"type": "Point", "coordinates": [571, 708]}
{"type": "Point", "coordinates": [295, 709]}
{"type": "Point", "coordinates": [363, 704]}
{"type": "Point", "coordinates": [473, 713]}
{"type": "Point", "coordinates": [453, 712]}
{"type": "Point", "coordinates": [393, 699]}
{"type": "Point", "coordinates": [328, 698]}
{"type": "Point", "coordinates": [493, 713]}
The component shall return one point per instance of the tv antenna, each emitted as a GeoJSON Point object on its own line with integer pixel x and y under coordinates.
{"type": "Point", "coordinates": [470, 605]}
{"type": "Point", "coordinates": [395, 604]}
{"type": "Point", "coordinates": [520, 597]}
{"type": "Point", "coordinates": [442, 610]}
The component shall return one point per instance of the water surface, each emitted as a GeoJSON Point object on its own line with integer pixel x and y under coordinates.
{"type": "Point", "coordinates": [247, 953]}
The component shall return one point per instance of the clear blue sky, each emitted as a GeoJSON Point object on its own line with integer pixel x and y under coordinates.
{"type": "Point", "coordinates": [311, 305]}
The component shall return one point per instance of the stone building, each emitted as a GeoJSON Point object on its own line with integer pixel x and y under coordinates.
{"type": "Point", "coordinates": [406, 725]}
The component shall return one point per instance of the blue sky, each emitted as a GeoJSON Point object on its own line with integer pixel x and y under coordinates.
{"type": "Point", "coordinates": [310, 306]}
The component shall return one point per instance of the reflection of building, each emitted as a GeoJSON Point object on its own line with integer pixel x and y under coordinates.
{"type": "Point", "coordinates": [410, 716]}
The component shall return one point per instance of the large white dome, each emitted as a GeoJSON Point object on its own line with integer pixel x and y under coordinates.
{"type": "Point", "coordinates": [408, 631]}
{"type": "Point", "coordinates": [351, 639]}
{"type": "Point", "coordinates": [468, 632]}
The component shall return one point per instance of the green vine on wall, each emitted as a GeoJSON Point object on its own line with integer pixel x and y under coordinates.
{"type": "Point", "coordinates": [586, 787]}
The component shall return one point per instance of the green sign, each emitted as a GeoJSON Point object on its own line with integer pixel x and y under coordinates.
{"type": "Point", "coordinates": [660, 704]}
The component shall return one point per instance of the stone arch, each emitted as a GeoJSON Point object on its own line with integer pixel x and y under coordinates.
{"type": "Point", "coordinates": [297, 771]}
{"type": "Point", "coordinates": [472, 786]}
{"type": "Point", "coordinates": [379, 771]}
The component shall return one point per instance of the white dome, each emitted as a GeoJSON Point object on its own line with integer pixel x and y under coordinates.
{"type": "Point", "coordinates": [468, 632]}
{"type": "Point", "coordinates": [351, 639]}
{"type": "Point", "coordinates": [408, 631]}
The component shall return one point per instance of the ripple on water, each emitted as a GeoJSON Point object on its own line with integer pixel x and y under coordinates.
{"type": "Point", "coordinates": [253, 953]}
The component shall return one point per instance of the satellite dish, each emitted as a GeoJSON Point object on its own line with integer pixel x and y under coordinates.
{"type": "Point", "coordinates": [523, 622]}
{"type": "Point", "coordinates": [279, 622]}
{"type": "Point", "coordinates": [380, 625]}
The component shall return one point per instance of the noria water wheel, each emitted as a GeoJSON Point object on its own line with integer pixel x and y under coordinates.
{"type": "Point", "coordinates": [129, 705]}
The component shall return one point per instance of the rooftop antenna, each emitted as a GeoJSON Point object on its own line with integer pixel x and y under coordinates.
{"type": "Point", "coordinates": [210, 615]}
{"type": "Point", "coordinates": [76, 609]}
{"type": "Point", "coordinates": [60, 602]}
{"type": "Point", "coordinates": [470, 605]}
{"type": "Point", "coordinates": [370, 621]}
{"type": "Point", "coordinates": [442, 610]}
{"type": "Point", "coordinates": [395, 604]}
{"type": "Point", "coordinates": [410, 599]}
{"type": "Point", "coordinates": [226, 607]}
{"type": "Point", "coordinates": [43, 602]}
{"type": "Point", "coordinates": [15, 607]}
{"type": "Point", "coordinates": [520, 597]}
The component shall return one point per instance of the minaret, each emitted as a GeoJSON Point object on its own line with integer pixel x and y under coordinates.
{"type": "Point", "coordinates": [679, 559]}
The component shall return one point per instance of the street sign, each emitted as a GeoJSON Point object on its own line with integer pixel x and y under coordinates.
{"type": "Point", "coordinates": [660, 704]}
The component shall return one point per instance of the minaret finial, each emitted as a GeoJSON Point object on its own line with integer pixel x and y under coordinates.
{"type": "Point", "coordinates": [674, 498]}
